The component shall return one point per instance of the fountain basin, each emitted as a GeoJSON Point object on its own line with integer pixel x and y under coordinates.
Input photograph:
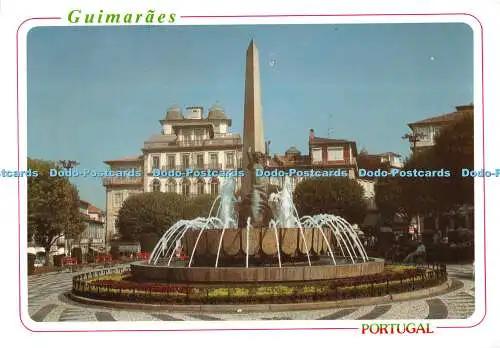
{"type": "Point", "coordinates": [260, 240]}
{"type": "Point", "coordinates": [144, 272]}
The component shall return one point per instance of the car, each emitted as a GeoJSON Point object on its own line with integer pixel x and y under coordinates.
{"type": "Point", "coordinates": [39, 263]}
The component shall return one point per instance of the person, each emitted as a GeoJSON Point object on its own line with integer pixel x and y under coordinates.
{"type": "Point", "coordinates": [419, 252]}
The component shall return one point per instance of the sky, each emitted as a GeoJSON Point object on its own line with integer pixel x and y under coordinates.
{"type": "Point", "coordinates": [97, 93]}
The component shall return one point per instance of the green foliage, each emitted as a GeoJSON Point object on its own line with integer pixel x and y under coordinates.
{"type": "Point", "coordinates": [53, 206]}
{"type": "Point", "coordinates": [419, 193]}
{"type": "Point", "coordinates": [145, 217]}
{"type": "Point", "coordinates": [199, 205]}
{"type": "Point", "coordinates": [332, 195]}
{"type": "Point", "coordinates": [388, 196]}
{"type": "Point", "coordinates": [454, 150]}
{"type": "Point", "coordinates": [149, 213]}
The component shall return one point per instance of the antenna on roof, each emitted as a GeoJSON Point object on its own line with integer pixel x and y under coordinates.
{"type": "Point", "coordinates": [330, 125]}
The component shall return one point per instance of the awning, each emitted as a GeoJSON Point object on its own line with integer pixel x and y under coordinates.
{"type": "Point", "coordinates": [35, 250]}
{"type": "Point", "coordinates": [129, 248]}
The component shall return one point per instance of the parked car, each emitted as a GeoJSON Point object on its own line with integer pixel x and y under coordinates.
{"type": "Point", "coordinates": [39, 263]}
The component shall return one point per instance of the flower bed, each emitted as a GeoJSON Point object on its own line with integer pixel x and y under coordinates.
{"type": "Point", "coordinates": [118, 286]}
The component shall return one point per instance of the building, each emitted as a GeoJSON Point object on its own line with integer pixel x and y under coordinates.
{"type": "Point", "coordinates": [423, 133]}
{"type": "Point", "coordinates": [187, 139]}
{"type": "Point", "coordinates": [324, 154]}
{"type": "Point", "coordinates": [118, 189]}
{"type": "Point", "coordinates": [374, 162]}
{"type": "Point", "coordinates": [93, 238]}
{"type": "Point", "coordinates": [334, 154]}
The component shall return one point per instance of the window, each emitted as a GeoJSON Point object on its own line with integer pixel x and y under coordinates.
{"type": "Point", "coordinates": [230, 160]}
{"type": "Point", "coordinates": [317, 155]}
{"type": "Point", "coordinates": [198, 134]}
{"type": "Point", "coordinates": [171, 161]}
{"type": "Point", "coordinates": [200, 187]}
{"type": "Point", "coordinates": [200, 160]}
{"type": "Point", "coordinates": [214, 186]}
{"type": "Point", "coordinates": [117, 200]}
{"type": "Point", "coordinates": [155, 162]}
{"type": "Point", "coordinates": [171, 186]}
{"type": "Point", "coordinates": [185, 161]}
{"type": "Point", "coordinates": [214, 159]}
{"type": "Point", "coordinates": [185, 187]}
{"type": "Point", "coordinates": [156, 185]}
{"type": "Point", "coordinates": [335, 154]}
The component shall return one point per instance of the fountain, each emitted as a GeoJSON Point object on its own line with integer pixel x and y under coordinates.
{"type": "Point", "coordinates": [256, 237]}
{"type": "Point", "coordinates": [288, 248]}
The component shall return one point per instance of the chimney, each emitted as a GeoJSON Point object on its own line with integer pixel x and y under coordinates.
{"type": "Point", "coordinates": [311, 134]}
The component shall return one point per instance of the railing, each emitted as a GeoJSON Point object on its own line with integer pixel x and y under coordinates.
{"type": "Point", "coordinates": [194, 166]}
{"type": "Point", "coordinates": [122, 181]}
{"type": "Point", "coordinates": [89, 286]}
{"type": "Point", "coordinates": [208, 142]}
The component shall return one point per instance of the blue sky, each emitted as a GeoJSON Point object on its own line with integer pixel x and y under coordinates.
{"type": "Point", "coordinates": [97, 93]}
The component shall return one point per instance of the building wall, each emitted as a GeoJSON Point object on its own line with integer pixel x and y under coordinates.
{"type": "Point", "coordinates": [220, 164]}
{"type": "Point", "coordinates": [428, 135]}
{"type": "Point", "coordinates": [115, 197]}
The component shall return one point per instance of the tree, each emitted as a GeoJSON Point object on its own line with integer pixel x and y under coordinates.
{"type": "Point", "coordinates": [331, 195]}
{"type": "Point", "coordinates": [454, 150]}
{"type": "Point", "coordinates": [150, 213]}
{"type": "Point", "coordinates": [199, 206]}
{"type": "Point", "coordinates": [388, 196]}
{"type": "Point", "coordinates": [419, 194]}
{"type": "Point", "coordinates": [53, 207]}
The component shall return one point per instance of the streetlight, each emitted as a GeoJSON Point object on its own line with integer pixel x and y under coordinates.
{"type": "Point", "coordinates": [67, 164]}
{"type": "Point", "coordinates": [413, 138]}
{"type": "Point", "coordinates": [268, 144]}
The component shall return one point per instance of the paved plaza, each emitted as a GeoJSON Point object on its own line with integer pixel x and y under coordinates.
{"type": "Point", "coordinates": [48, 303]}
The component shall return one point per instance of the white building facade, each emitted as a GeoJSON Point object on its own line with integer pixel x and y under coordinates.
{"type": "Point", "coordinates": [188, 139]}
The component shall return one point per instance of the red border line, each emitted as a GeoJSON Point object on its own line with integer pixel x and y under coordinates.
{"type": "Point", "coordinates": [256, 16]}
{"type": "Point", "coordinates": [330, 15]}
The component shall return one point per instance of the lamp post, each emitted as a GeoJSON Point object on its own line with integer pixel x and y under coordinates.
{"type": "Point", "coordinates": [413, 138]}
{"type": "Point", "coordinates": [67, 164]}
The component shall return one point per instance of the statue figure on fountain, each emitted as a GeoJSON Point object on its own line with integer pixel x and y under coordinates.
{"type": "Point", "coordinates": [254, 203]}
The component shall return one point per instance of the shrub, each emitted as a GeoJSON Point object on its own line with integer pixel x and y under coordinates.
{"type": "Point", "coordinates": [394, 279]}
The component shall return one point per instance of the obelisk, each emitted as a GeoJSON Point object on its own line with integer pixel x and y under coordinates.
{"type": "Point", "coordinates": [253, 128]}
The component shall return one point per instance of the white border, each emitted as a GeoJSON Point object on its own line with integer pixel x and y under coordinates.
{"type": "Point", "coordinates": [479, 208]}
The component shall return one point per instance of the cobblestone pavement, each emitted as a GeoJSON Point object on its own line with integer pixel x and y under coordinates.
{"type": "Point", "coordinates": [46, 303]}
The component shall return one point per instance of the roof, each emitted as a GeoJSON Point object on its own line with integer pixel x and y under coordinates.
{"type": "Point", "coordinates": [217, 112]}
{"type": "Point", "coordinates": [292, 151]}
{"type": "Point", "coordinates": [370, 162]}
{"type": "Point", "coordinates": [92, 209]}
{"type": "Point", "coordinates": [461, 111]}
{"type": "Point", "coordinates": [174, 113]}
{"type": "Point", "coordinates": [159, 138]}
{"type": "Point", "coordinates": [125, 159]}
{"type": "Point", "coordinates": [280, 160]}
{"type": "Point", "coordinates": [328, 141]}
{"type": "Point", "coordinates": [318, 140]}
{"type": "Point", "coordinates": [389, 154]}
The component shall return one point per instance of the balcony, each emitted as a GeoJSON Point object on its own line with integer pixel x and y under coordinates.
{"type": "Point", "coordinates": [126, 180]}
{"type": "Point", "coordinates": [196, 166]}
{"type": "Point", "coordinates": [209, 142]}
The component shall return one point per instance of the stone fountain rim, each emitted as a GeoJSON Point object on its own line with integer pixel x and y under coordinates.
{"type": "Point", "coordinates": [161, 273]}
